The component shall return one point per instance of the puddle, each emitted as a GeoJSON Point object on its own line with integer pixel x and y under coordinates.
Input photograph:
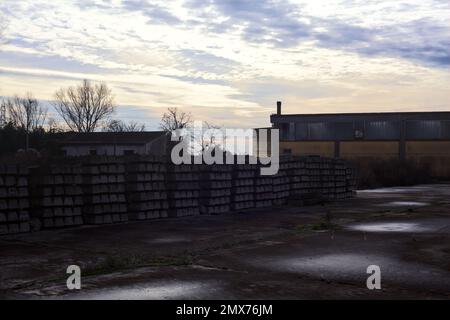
{"type": "Point", "coordinates": [404, 204]}
{"type": "Point", "coordinates": [394, 190]}
{"type": "Point", "coordinates": [353, 267]}
{"type": "Point", "coordinates": [158, 291]}
{"type": "Point", "coordinates": [390, 227]}
{"type": "Point", "coordinates": [330, 263]}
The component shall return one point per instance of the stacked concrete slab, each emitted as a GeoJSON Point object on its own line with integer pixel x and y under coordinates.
{"type": "Point", "coordinates": [263, 190]}
{"type": "Point", "coordinates": [280, 183]}
{"type": "Point", "coordinates": [328, 178]}
{"type": "Point", "coordinates": [97, 190]}
{"type": "Point", "coordinates": [146, 188]}
{"type": "Point", "coordinates": [14, 199]}
{"type": "Point", "coordinates": [340, 179]}
{"type": "Point", "coordinates": [298, 177]}
{"type": "Point", "coordinates": [313, 166]}
{"type": "Point", "coordinates": [57, 196]}
{"type": "Point", "coordinates": [351, 180]}
{"type": "Point", "coordinates": [215, 183]}
{"type": "Point", "coordinates": [184, 190]}
{"type": "Point", "coordinates": [104, 190]}
{"type": "Point", "coordinates": [243, 187]}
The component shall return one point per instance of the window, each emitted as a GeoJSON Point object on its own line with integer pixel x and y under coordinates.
{"type": "Point", "coordinates": [301, 131]}
{"type": "Point", "coordinates": [128, 152]}
{"type": "Point", "coordinates": [284, 131]}
{"type": "Point", "coordinates": [287, 151]}
{"type": "Point", "coordinates": [382, 130]}
{"type": "Point", "coordinates": [93, 152]}
{"type": "Point", "coordinates": [423, 129]}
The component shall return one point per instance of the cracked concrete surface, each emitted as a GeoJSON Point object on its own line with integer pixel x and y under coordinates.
{"type": "Point", "coordinates": [279, 253]}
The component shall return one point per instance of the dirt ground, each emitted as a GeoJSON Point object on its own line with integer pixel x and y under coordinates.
{"type": "Point", "coordinates": [313, 252]}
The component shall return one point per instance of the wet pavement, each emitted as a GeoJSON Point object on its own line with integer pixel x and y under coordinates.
{"type": "Point", "coordinates": [282, 253]}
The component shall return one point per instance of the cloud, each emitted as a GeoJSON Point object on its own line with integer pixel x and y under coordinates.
{"type": "Point", "coordinates": [263, 21]}
{"type": "Point", "coordinates": [236, 57]}
{"type": "Point", "coordinates": [156, 13]}
{"type": "Point", "coordinates": [284, 25]}
{"type": "Point", "coordinates": [201, 61]}
{"type": "Point", "coordinates": [420, 40]}
{"type": "Point", "coordinates": [197, 80]}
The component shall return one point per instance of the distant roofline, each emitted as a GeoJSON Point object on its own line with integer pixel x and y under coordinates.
{"type": "Point", "coordinates": [111, 138]}
{"type": "Point", "coordinates": [414, 115]}
{"type": "Point", "coordinates": [361, 113]}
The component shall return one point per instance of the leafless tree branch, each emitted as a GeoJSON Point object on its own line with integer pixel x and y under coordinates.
{"type": "Point", "coordinates": [122, 126]}
{"type": "Point", "coordinates": [174, 119]}
{"type": "Point", "coordinates": [25, 112]}
{"type": "Point", "coordinates": [83, 107]}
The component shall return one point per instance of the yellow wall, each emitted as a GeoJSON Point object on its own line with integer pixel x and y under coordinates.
{"type": "Point", "coordinates": [428, 148]}
{"type": "Point", "coordinates": [434, 153]}
{"type": "Point", "coordinates": [369, 149]}
{"type": "Point", "coordinates": [300, 148]}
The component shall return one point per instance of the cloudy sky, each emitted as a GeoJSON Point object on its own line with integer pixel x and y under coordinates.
{"type": "Point", "coordinates": [228, 61]}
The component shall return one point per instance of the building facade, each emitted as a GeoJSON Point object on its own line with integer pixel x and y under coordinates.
{"type": "Point", "coordinates": [423, 137]}
{"type": "Point", "coordinates": [115, 143]}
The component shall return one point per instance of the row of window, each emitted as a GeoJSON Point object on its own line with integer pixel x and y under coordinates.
{"type": "Point", "coordinates": [371, 130]}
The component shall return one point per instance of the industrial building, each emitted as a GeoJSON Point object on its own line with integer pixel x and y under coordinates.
{"type": "Point", "coordinates": [423, 137]}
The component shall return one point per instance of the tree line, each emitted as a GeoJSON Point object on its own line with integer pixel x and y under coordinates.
{"type": "Point", "coordinates": [84, 108]}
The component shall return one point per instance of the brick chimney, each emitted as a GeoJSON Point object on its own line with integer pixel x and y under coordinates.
{"type": "Point", "coordinates": [278, 107]}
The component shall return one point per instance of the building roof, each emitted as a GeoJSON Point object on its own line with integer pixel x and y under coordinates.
{"type": "Point", "coordinates": [433, 115]}
{"type": "Point", "coordinates": [112, 137]}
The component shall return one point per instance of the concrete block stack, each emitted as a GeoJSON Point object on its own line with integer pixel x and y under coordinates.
{"type": "Point", "coordinates": [58, 196]}
{"type": "Point", "coordinates": [314, 174]}
{"type": "Point", "coordinates": [14, 200]}
{"type": "Point", "coordinates": [215, 194]}
{"type": "Point", "coordinates": [328, 178]}
{"type": "Point", "coordinates": [263, 190]}
{"type": "Point", "coordinates": [104, 190]}
{"type": "Point", "coordinates": [146, 189]}
{"type": "Point", "coordinates": [351, 181]}
{"type": "Point", "coordinates": [340, 176]}
{"type": "Point", "coordinates": [280, 183]}
{"type": "Point", "coordinates": [243, 187]}
{"type": "Point", "coordinates": [184, 190]}
{"type": "Point", "coordinates": [299, 182]}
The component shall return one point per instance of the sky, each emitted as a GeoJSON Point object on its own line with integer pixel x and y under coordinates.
{"type": "Point", "coordinates": [229, 61]}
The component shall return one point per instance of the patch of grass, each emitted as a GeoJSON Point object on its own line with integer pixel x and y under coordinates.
{"type": "Point", "coordinates": [321, 226]}
{"type": "Point", "coordinates": [324, 224]}
{"type": "Point", "coordinates": [113, 263]}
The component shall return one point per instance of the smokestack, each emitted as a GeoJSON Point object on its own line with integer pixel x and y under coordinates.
{"type": "Point", "coordinates": [278, 107]}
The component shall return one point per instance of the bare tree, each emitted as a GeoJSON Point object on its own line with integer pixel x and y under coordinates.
{"type": "Point", "coordinates": [210, 139]}
{"type": "Point", "coordinates": [25, 113]}
{"type": "Point", "coordinates": [84, 107]}
{"type": "Point", "coordinates": [175, 119]}
{"type": "Point", "coordinates": [122, 126]}
{"type": "Point", "coordinates": [54, 126]}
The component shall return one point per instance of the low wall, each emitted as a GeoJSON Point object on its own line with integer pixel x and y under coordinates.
{"type": "Point", "coordinates": [433, 153]}
{"type": "Point", "coordinates": [102, 190]}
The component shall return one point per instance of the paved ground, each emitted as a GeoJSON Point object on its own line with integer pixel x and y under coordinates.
{"type": "Point", "coordinates": [282, 253]}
